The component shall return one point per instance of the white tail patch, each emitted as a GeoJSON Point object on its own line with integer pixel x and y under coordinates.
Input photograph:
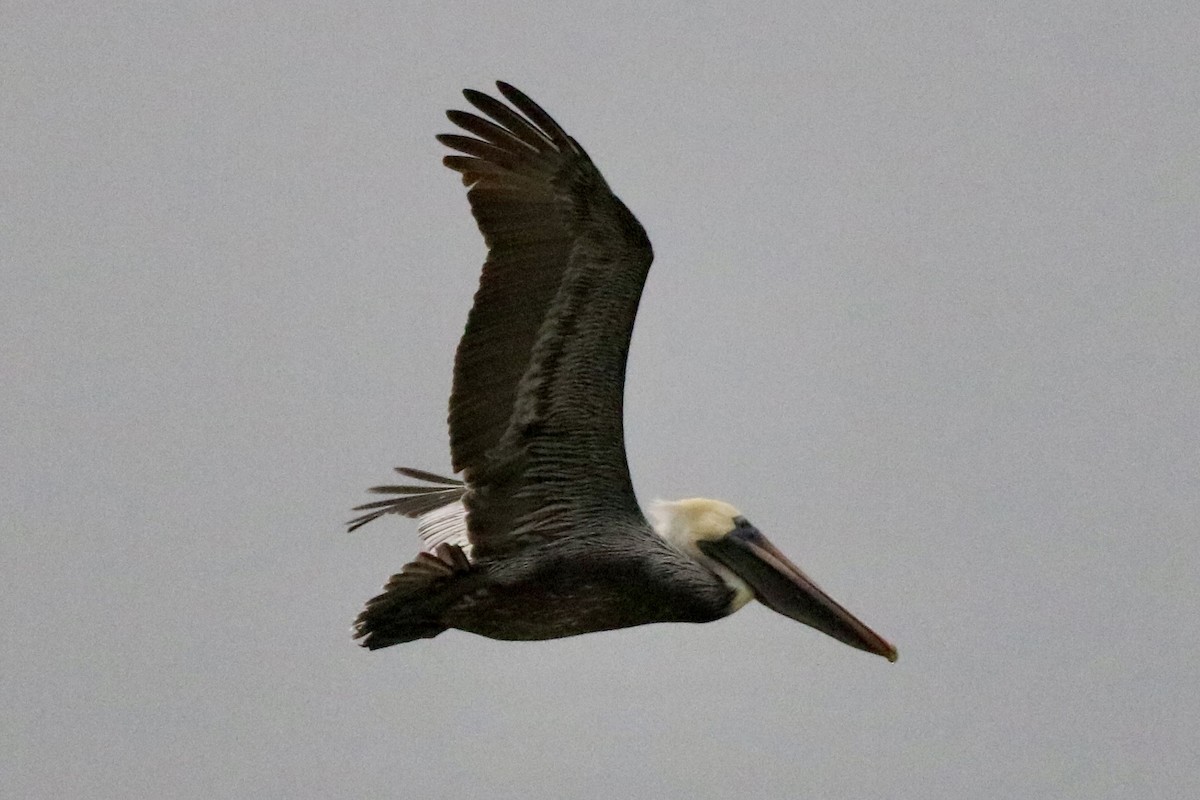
{"type": "Point", "coordinates": [448, 525]}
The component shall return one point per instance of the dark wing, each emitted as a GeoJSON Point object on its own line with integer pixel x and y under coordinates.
{"type": "Point", "coordinates": [535, 414]}
{"type": "Point", "coordinates": [411, 500]}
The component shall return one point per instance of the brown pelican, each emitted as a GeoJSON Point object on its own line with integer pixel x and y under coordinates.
{"type": "Point", "coordinates": [543, 537]}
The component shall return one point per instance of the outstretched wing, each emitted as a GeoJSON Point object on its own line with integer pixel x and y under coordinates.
{"type": "Point", "coordinates": [535, 413]}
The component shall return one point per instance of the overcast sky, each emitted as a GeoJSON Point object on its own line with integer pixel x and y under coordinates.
{"type": "Point", "coordinates": [925, 307]}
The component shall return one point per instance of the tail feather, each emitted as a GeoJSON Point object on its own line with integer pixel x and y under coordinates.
{"type": "Point", "coordinates": [407, 609]}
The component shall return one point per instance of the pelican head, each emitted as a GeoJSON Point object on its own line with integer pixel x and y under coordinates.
{"type": "Point", "coordinates": [719, 537]}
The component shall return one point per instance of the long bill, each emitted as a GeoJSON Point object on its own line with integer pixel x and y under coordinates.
{"type": "Point", "coordinates": [783, 587]}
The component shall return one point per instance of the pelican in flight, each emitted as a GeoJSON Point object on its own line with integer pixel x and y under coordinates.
{"type": "Point", "coordinates": [543, 537]}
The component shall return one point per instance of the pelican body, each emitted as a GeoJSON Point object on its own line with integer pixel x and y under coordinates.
{"type": "Point", "coordinates": [542, 537]}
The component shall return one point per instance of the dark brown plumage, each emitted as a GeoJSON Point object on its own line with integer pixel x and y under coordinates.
{"type": "Point", "coordinates": [544, 537]}
{"type": "Point", "coordinates": [536, 408]}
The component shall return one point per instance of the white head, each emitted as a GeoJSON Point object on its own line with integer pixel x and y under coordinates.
{"type": "Point", "coordinates": [719, 537]}
{"type": "Point", "coordinates": [685, 523]}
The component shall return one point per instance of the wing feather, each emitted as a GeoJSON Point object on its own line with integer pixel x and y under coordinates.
{"type": "Point", "coordinates": [508, 119]}
{"type": "Point", "coordinates": [535, 413]}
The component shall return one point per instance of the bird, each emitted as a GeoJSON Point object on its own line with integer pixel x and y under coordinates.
{"type": "Point", "coordinates": [541, 536]}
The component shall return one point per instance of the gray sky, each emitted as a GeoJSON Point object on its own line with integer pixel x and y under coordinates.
{"type": "Point", "coordinates": [924, 307]}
